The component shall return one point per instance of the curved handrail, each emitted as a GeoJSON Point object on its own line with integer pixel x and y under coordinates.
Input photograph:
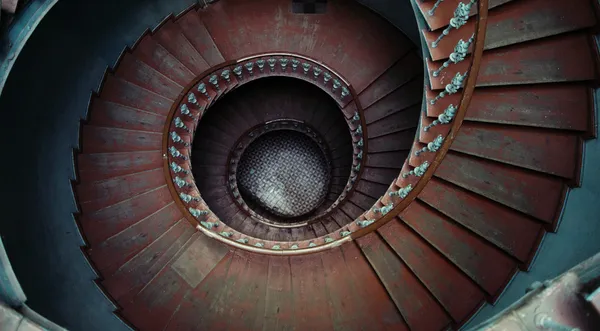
{"type": "Point", "coordinates": [467, 93]}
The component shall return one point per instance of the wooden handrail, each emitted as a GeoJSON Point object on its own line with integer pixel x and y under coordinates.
{"type": "Point", "coordinates": [467, 93]}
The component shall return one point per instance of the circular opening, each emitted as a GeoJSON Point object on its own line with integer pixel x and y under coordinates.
{"type": "Point", "coordinates": [285, 173]}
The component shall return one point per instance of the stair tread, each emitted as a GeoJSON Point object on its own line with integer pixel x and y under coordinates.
{"type": "Point", "coordinates": [387, 159]}
{"type": "Point", "coordinates": [310, 299]}
{"type": "Point", "coordinates": [124, 93]}
{"type": "Point", "coordinates": [442, 15]}
{"type": "Point", "coordinates": [108, 114]}
{"type": "Point", "coordinates": [514, 233]}
{"type": "Point", "coordinates": [405, 96]}
{"type": "Point", "coordinates": [454, 290]}
{"type": "Point", "coordinates": [102, 166]}
{"type": "Point", "coordinates": [105, 140]}
{"type": "Point", "coordinates": [418, 307]}
{"type": "Point", "coordinates": [379, 175]}
{"type": "Point", "coordinates": [528, 63]}
{"type": "Point", "coordinates": [102, 224]}
{"type": "Point", "coordinates": [279, 295]}
{"type": "Point", "coordinates": [195, 31]}
{"type": "Point", "coordinates": [519, 22]}
{"type": "Point", "coordinates": [170, 36]}
{"type": "Point", "coordinates": [559, 106]}
{"type": "Point", "coordinates": [406, 119]}
{"type": "Point", "coordinates": [137, 72]}
{"type": "Point", "coordinates": [155, 55]}
{"type": "Point", "coordinates": [485, 264]}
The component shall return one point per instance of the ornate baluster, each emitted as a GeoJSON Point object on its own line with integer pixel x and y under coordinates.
{"type": "Point", "coordinates": [356, 168]}
{"type": "Point", "coordinates": [453, 87]}
{"type": "Point", "coordinates": [459, 54]}
{"type": "Point", "coordinates": [312, 244]}
{"type": "Point", "coordinates": [250, 67]}
{"type": "Point", "coordinates": [193, 100]}
{"type": "Point", "coordinates": [238, 71]}
{"type": "Point", "coordinates": [345, 233]}
{"type": "Point", "coordinates": [359, 156]}
{"type": "Point", "coordinates": [432, 146]}
{"type": "Point", "coordinates": [345, 92]}
{"type": "Point", "coordinates": [214, 80]}
{"type": "Point", "coordinates": [295, 64]}
{"type": "Point", "coordinates": [177, 168]}
{"type": "Point", "coordinates": [242, 240]}
{"type": "Point", "coordinates": [418, 171]}
{"type": "Point", "coordinates": [259, 245]}
{"type": "Point", "coordinates": [305, 67]}
{"type": "Point", "coordinates": [356, 117]}
{"type": "Point", "coordinates": [328, 240]}
{"type": "Point", "coordinates": [186, 111]}
{"type": "Point", "coordinates": [197, 212]}
{"type": "Point", "coordinates": [226, 234]}
{"type": "Point", "coordinates": [202, 89]}
{"type": "Point", "coordinates": [283, 64]}
{"type": "Point", "coordinates": [336, 84]}
{"type": "Point", "coordinates": [272, 63]}
{"type": "Point", "coordinates": [316, 72]}
{"type": "Point", "coordinates": [187, 198]}
{"type": "Point", "coordinates": [360, 143]}
{"type": "Point", "coordinates": [181, 183]}
{"type": "Point", "coordinates": [461, 15]}
{"type": "Point", "coordinates": [175, 153]}
{"type": "Point", "coordinates": [260, 64]}
{"type": "Point", "coordinates": [402, 192]}
{"type": "Point", "coordinates": [294, 246]}
{"type": "Point", "coordinates": [276, 247]}
{"type": "Point", "coordinates": [326, 77]}
{"type": "Point", "coordinates": [226, 75]}
{"type": "Point", "coordinates": [180, 125]}
{"type": "Point", "coordinates": [384, 209]}
{"type": "Point", "coordinates": [432, 10]}
{"type": "Point", "coordinates": [177, 139]}
{"type": "Point", "coordinates": [443, 118]}
{"type": "Point", "coordinates": [358, 132]}
{"type": "Point", "coordinates": [209, 225]}
{"type": "Point", "coordinates": [365, 223]}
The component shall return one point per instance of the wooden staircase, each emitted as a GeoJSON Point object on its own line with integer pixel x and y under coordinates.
{"type": "Point", "coordinates": [479, 218]}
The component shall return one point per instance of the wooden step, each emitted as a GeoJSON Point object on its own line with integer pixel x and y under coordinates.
{"type": "Point", "coordinates": [416, 304]}
{"type": "Point", "coordinates": [109, 140]}
{"type": "Point", "coordinates": [341, 218]}
{"type": "Point", "coordinates": [137, 72]}
{"type": "Point", "coordinates": [405, 96]}
{"type": "Point", "coordinates": [279, 307]}
{"type": "Point", "coordinates": [109, 114]}
{"type": "Point", "coordinates": [529, 63]}
{"type": "Point", "coordinates": [127, 94]}
{"type": "Point", "coordinates": [393, 160]}
{"type": "Point", "coordinates": [398, 141]}
{"type": "Point", "coordinates": [170, 36]}
{"type": "Point", "coordinates": [404, 120]}
{"type": "Point", "coordinates": [195, 31]}
{"type": "Point", "coordinates": [374, 190]}
{"type": "Point", "coordinates": [445, 11]}
{"type": "Point", "coordinates": [509, 230]}
{"type": "Point", "coordinates": [350, 209]}
{"type": "Point", "coordinates": [106, 222]}
{"type": "Point", "coordinates": [111, 254]}
{"type": "Point", "coordinates": [130, 278]}
{"type": "Point", "coordinates": [93, 167]}
{"type": "Point", "coordinates": [486, 265]}
{"type": "Point", "coordinates": [558, 106]}
{"type": "Point", "coordinates": [519, 22]}
{"type": "Point", "coordinates": [379, 175]}
{"type": "Point", "coordinates": [159, 58]}
{"type": "Point", "coordinates": [460, 297]}
{"type": "Point", "coordinates": [93, 196]}
{"type": "Point", "coordinates": [532, 193]}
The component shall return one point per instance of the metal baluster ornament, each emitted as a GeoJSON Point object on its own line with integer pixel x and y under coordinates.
{"type": "Point", "coordinates": [197, 212]}
{"type": "Point", "coordinates": [209, 225]}
{"type": "Point", "coordinates": [181, 183]}
{"type": "Point", "coordinates": [295, 64]}
{"type": "Point", "coordinates": [461, 15]}
{"type": "Point", "coordinates": [305, 67]}
{"type": "Point", "coordinates": [242, 240]}
{"type": "Point", "coordinates": [418, 171]}
{"type": "Point", "coordinates": [249, 66]}
{"type": "Point", "coordinates": [226, 234]}
{"type": "Point", "coordinates": [432, 10]}
{"type": "Point", "coordinates": [443, 118]}
{"type": "Point", "coordinates": [260, 64]}
{"type": "Point", "coordinates": [317, 71]}
{"type": "Point", "coordinates": [385, 209]}
{"type": "Point", "coordinates": [364, 223]}
{"type": "Point", "coordinates": [238, 71]}
{"type": "Point", "coordinates": [187, 198]}
{"type": "Point", "coordinates": [180, 125]}
{"type": "Point", "coordinates": [177, 139]}
{"type": "Point", "coordinates": [259, 245]}
{"type": "Point", "coordinates": [326, 77]}
{"type": "Point", "coordinates": [402, 192]}
{"type": "Point", "coordinates": [345, 233]}
{"type": "Point", "coordinates": [226, 74]}
{"type": "Point", "coordinates": [175, 153]}
{"type": "Point", "coordinates": [283, 63]}
{"type": "Point", "coordinates": [294, 246]}
{"type": "Point", "coordinates": [360, 143]}
{"type": "Point", "coordinates": [202, 89]}
{"type": "Point", "coordinates": [312, 244]}
{"type": "Point", "coordinates": [455, 85]}
{"type": "Point", "coordinates": [186, 111]}
{"type": "Point", "coordinates": [459, 54]}
{"type": "Point", "coordinates": [356, 117]}
{"type": "Point", "coordinates": [214, 80]}
{"type": "Point", "coordinates": [359, 156]}
{"type": "Point", "coordinates": [345, 92]}
{"type": "Point", "coordinates": [358, 132]}
{"type": "Point", "coordinates": [432, 146]}
{"type": "Point", "coordinates": [177, 168]}
{"type": "Point", "coordinates": [193, 100]}
{"type": "Point", "coordinates": [272, 63]}
{"type": "Point", "coordinates": [328, 239]}
{"type": "Point", "coordinates": [276, 247]}
{"type": "Point", "coordinates": [336, 84]}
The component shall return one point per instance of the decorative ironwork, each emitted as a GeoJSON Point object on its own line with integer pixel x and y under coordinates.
{"type": "Point", "coordinates": [260, 64]}
{"type": "Point", "coordinates": [250, 67]}
{"type": "Point", "coordinates": [418, 171]}
{"type": "Point", "coordinates": [226, 74]}
{"type": "Point", "coordinates": [272, 63]}
{"type": "Point", "coordinates": [180, 125]}
{"type": "Point", "coordinates": [364, 223]}
{"type": "Point", "coordinates": [460, 52]}
{"type": "Point", "coordinates": [214, 80]}
{"type": "Point", "coordinates": [455, 85]}
{"type": "Point", "coordinates": [238, 71]}
{"type": "Point", "coordinates": [197, 212]}
{"type": "Point", "coordinates": [202, 89]}
{"type": "Point", "coordinates": [443, 118]}
{"type": "Point", "coordinates": [432, 146]}
{"type": "Point", "coordinates": [435, 6]}
{"type": "Point", "coordinates": [402, 192]}
{"type": "Point", "coordinates": [461, 16]}
{"type": "Point", "coordinates": [175, 153]}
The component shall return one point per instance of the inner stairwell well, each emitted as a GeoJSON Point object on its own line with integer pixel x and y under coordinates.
{"type": "Point", "coordinates": [441, 187]}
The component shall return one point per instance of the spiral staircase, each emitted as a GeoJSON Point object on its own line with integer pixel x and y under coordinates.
{"type": "Point", "coordinates": [247, 165]}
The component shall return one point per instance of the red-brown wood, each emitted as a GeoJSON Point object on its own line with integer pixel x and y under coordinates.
{"type": "Point", "coordinates": [515, 233]}
{"type": "Point", "coordinates": [311, 298]}
{"type": "Point", "coordinates": [519, 22]}
{"type": "Point", "coordinates": [407, 119]}
{"type": "Point", "coordinates": [445, 11]}
{"type": "Point", "coordinates": [486, 265]}
{"type": "Point", "coordinates": [403, 97]}
{"type": "Point", "coordinates": [197, 34]}
{"type": "Point", "coordinates": [106, 140]}
{"type": "Point", "coordinates": [387, 159]}
{"type": "Point", "coordinates": [108, 114]}
{"type": "Point", "coordinates": [92, 167]}
{"type": "Point", "coordinates": [172, 38]}
{"type": "Point", "coordinates": [418, 307]}
{"type": "Point", "coordinates": [402, 140]}
{"type": "Point", "coordinates": [561, 58]}
{"type": "Point", "coordinates": [559, 106]}
{"type": "Point", "coordinates": [453, 289]}
{"type": "Point", "coordinates": [279, 308]}
{"type": "Point", "coordinates": [137, 72]}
